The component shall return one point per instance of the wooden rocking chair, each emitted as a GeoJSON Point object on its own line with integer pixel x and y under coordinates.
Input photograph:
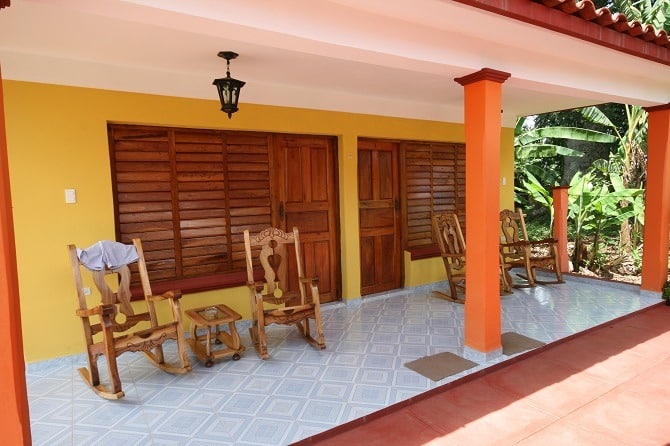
{"type": "Point", "coordinates": [114, 318]}
{"type": "Point", "coordinates": [447, 230]}
{"type": "Point", "coordinates": [291, 302]}
{"type": "Point", "coordinates": [518, 251]}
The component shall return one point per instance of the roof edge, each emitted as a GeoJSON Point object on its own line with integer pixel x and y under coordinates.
{"type": "Point", "coordinates": [580, 19]}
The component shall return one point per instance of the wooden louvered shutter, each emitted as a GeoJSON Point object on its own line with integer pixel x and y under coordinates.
{"type": "Point", "coordinates": [189, 195]}
{"type": "Point", "coordinates": [141, 170]}
{"type": "Point", "coordinates": [199, 160]}
{"type": "Point", "coordinates": [249, 190]}
{"type": "Point", "coordinates": [433, 176]}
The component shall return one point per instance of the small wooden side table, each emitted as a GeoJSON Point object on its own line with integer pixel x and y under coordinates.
{"type": "Point", "coordinates": [210, 318]}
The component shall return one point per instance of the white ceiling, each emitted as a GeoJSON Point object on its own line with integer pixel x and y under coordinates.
{"type": "Point", "coordinates": [396, 58]}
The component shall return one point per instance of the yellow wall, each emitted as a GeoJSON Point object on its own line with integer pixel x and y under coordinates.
{"type": "Point", "coordinates": [57, 139]}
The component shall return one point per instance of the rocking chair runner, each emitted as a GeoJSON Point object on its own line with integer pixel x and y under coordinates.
{"type": "Point", "coordinates": [519, 251]}
{"type": "Point", "coordinates": [447, 230]}
{"type": "Point", "coordinates": [289, 306]}
{"type": "Point", "coordinates": [115, 317]}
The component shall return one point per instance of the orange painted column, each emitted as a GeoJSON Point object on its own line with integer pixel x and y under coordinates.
{"type": "Point", "coordinates": [657, 200]}
{"type": "Point", "coordinates": [15, 418]}
{"type": "Point", "coordinates": [483, 92]}
{"type": "Point", "coordinates": [560, 194]}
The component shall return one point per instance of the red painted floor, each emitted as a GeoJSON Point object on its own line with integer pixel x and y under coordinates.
{"type": "Point", "coordinates": [606, 386]}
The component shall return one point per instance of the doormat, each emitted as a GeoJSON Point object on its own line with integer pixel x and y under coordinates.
{"type": "Point", "coordinates": [513, 343]}
{"type": "Point", "coordinates": [441, 365]}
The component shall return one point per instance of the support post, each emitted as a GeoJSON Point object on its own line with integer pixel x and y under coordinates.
{"type": "Point", "coordinates": [560, 194]}
{"type": "Point", "coordinates": [657, 200]}
{"type": "Point", "coordinates": [15, 419]}
{"type": "Point", "coordinates": [483, 93]}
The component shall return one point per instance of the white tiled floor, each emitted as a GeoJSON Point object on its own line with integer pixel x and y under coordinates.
{"type": "Point", "coordinates": [300, 391]}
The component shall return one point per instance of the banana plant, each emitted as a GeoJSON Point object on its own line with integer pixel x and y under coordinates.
{"type": "Point", "coordinates": [595, 209]}
{"type": "Point", "coordinates": [540, 194]}
{"type": "Point", "coordinates": [535, 146]}
{"type": "Point", "coordinates": [534, 143]}
{"type": "Point", "coordinates": [628, 161]}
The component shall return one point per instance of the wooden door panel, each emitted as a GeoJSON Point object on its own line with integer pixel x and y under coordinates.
{"type": "Point", "coordinates": [364, 175]}
{"type": "Point", "coordinates": [308, 221]}
{"type": "Point", "coordinates": [389, 259]}
{"type": "Point", "coordinates": [378, 217]}
{"type": "Point", "coordinates": [367, 245]}
{"type": "Point", "coordinates": [318, 185]}
{"type": "Point", "coordinates": [381, 267]}
{"type": "Point", "coordinates": [312, 253]}
{"type": "Point", "coordinates": [307, 198]}
{"type": "Point", "coordinates": [378, 253]}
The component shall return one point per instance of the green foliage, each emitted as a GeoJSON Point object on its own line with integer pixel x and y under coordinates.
{"type": "Point", "coordinates": [606, 202]}
{"type": "Point", "coordinates": [597, 209]}
{"type": "Point", "coordinates": [666, 290]}
{"type": "Point", "coordinates": [652, 12]}
{"type": "Point", "coordinates": [537, 154]}
{"type": "Point", "coordinates": [539, 194]}
{"type": "Point", "coordinates": [538, 228]}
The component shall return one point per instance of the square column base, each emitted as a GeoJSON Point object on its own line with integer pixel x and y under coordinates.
{"type": "Point", "coordinates": [481, 357]}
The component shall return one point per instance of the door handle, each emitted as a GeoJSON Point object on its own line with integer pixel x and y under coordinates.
{"type": "Point", "coordinates": [281, 210]}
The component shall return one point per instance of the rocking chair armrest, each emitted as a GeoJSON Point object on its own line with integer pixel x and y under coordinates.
{"type": "Point", "coordinates": [522, 243]}
{"type": "Point", "coordinates": [310, 280]}
{"type": "Point", "coordinates": [544, 241]}
{"type": "Point", "coordinates": [453, 255]}
{"type": "Point", "coordinates": [173, 294]}
{"type": "Point", "coordinates": [256, 287]}
{"type": "Point", "coordinates": [96, 311]}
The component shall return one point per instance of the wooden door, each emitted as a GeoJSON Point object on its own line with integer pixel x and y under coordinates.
{"type": "Point", "coordinates": [306, 173]}
{"type": "Point", "coordinates": [379, 216]}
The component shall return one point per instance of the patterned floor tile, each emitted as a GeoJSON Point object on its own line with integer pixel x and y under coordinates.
{"type": "Point", "coordinates": [173, 397]}
{"type": "Point", "coordinates": [184, 422]}
{"type": "Point", "coordinates": [322, 411]}
{"type": "Point", "coordinates": [331, 391]}
{"type": "Point", "coordinates": [48, 433]}
{"type": "Point", "coordinates": [306, 429]}
{"type": "Point", "coordinates": [108, 416]}
{"type": "Point", "coordinates": [115, 438]}
{"type": "Point", "coordinates": [262, 431]}
{"type": "Point", "coordinates": [42, 409]}
{"type": "Point", "coordinates": [369, 394]}
{"type": "Point", "coordinates": [295, 387]}
{"type": "Point", "coordinates": [242, 404]}
{"type": "Point", "coordinates": [300, 391]}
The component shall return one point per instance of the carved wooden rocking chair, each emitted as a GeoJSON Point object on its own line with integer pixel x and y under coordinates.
{"type": "Point", "coordinates": [518, 251]}
{"type": "Point", "coordinates": [447, 230]}
{"type": "Point", "coordinates": [115, 318]}
{"type": "Point", "coordinates": [288, 294]}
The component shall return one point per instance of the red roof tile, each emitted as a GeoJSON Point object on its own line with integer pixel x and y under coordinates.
{"type": "Point", "coordinates": [585, 9]}
{"type": "Point", "coordinates": [581, 19]}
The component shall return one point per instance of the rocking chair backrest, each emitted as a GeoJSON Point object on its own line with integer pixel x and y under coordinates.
{"type": "Point", "coordinates": [119, 299]}
{"type": "Point", "coordinates": [449, 237]}
{"type": "Point", "coordinates": [290, 304]}
{"type": "Point", "coordinates": [519, 251]}
{"type": "Point", "coordinates": [274, 245]}
{"type": "Point", "coordinates": [512, 226]}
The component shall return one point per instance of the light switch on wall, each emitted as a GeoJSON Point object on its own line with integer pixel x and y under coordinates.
{"type": "Point", "coordinates": [70, 196]}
